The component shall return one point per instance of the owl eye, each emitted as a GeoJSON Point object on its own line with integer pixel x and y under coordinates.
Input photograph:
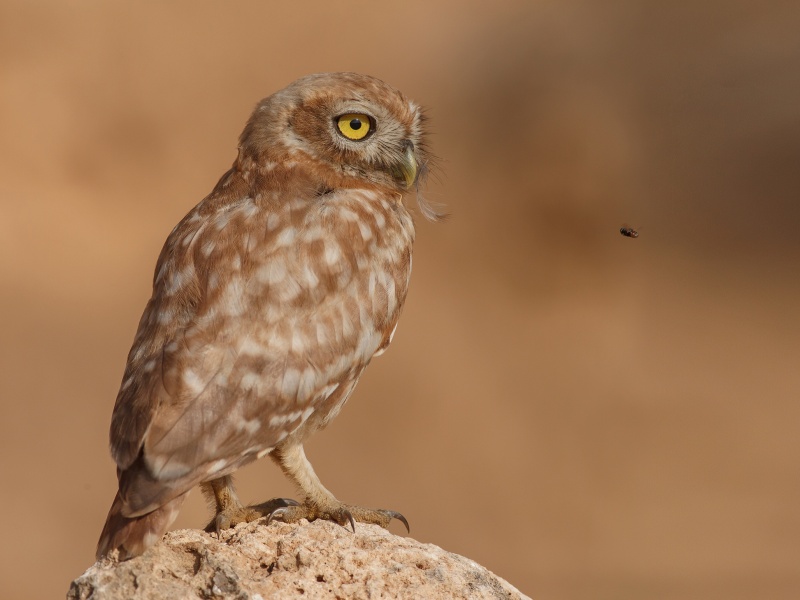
{"type": "Point", "coordinates": [354, 126]}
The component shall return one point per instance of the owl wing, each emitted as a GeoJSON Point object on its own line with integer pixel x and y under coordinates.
{"type": "Point", "coordinates": [233, 352]}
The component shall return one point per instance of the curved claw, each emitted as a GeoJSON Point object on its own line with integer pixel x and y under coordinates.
{"type": "Point", "coordinates": [218, 525]}
{"type": "Point", "coordinates": [278, 512]}
{"type": "Point", "coordinates": [350, 518]}
{"type": "Point", "coordinates": [274, 503]}
{"type": "Point", "coordinates": [396, 515]}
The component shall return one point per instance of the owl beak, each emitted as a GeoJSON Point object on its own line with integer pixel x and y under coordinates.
{"type": "Point", "coordinates": [408, 165]}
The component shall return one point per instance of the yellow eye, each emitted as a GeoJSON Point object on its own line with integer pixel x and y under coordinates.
{"type": "Point", "coordinates": [354, 126]}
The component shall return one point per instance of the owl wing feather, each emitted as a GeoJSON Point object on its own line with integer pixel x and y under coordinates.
{"type": "Point", "coordinates": [233, 373]}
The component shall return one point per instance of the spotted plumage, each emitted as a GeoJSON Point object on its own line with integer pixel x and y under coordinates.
{"type": "Point", "coordinates": [269, 299]}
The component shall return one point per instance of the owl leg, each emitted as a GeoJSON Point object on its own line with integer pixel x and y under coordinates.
{"type": "Point", "coordinates": [319, 502]}
{"type": "Point", "coordinates": [229, 510]}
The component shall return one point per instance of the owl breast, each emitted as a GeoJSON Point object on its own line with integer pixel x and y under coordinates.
{"type": "Point", "coordinates": [314, 290]}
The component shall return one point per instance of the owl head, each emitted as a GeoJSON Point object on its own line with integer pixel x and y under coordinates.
{"type": "Point", "coordinates": [344, 130]}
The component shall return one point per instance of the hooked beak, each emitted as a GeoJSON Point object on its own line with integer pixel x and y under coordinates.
{"type": "Point", "coordinates": [408, 167]}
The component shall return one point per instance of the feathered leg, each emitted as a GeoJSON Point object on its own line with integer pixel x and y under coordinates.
{"type": "Point", "coordinates": [229, 512]}
{"type": "Point", "coordinates": [319, 502]}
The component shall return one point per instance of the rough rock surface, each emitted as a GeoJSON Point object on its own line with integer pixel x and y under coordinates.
{"type": "Point", "coordinates": [306, 560]}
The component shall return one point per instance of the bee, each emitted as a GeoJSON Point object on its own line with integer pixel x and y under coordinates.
{"type": "Point", "coordinates": [628, 231]}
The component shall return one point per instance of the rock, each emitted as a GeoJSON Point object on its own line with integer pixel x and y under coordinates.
{"type": "Point", "coordinates": [305, 560]}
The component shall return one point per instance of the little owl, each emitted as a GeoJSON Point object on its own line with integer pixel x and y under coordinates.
{"type": "Point", "coordinates": [269, 300]}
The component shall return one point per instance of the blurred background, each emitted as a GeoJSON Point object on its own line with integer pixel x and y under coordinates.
{"type": "Point", "coordinates": [587, 415]}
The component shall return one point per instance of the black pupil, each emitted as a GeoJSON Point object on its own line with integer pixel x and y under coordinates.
{"type": "Point", "coordinates": [355, 124]}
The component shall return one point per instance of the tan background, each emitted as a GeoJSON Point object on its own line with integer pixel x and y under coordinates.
{"type": "Point", "coordinates": [587, 415]}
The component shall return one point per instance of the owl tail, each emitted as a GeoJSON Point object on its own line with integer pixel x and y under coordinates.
{"type": "Point", "coordinates": [132, 536]}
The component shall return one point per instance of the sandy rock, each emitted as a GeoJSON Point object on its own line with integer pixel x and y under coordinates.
{"type": "Point", "coordinates": [306, 560]}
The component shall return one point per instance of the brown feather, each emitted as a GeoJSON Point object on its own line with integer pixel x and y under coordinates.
{"type": "Point", "coordinates": [269, 298]}
{"type": "Point", "coordinates": [131, 537]}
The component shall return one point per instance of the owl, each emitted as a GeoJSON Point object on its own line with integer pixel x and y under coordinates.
{"type": "Point", "coordinates": [270, 298]}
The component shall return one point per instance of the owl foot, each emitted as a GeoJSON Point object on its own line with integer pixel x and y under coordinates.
{"type": "Point", "coordinates": [232, 515]}
{"type": "Point", "coordinates": [343, 514]}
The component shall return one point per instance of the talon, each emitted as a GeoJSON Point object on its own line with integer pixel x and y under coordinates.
{"type": "Point", "coordinates": [220, 523]}
{"type": "Point", "coordinates": [278, 512]}
{"type": "Point", "coordinates": [350, 518]}
{"type": "Point", "coordinates": [396, 515]}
